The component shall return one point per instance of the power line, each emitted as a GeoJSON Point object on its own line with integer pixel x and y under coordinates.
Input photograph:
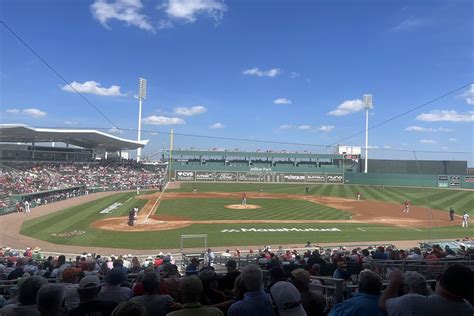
{"type": "Point", "coordinates": [405, 113]}
{"type": "Point", "coordinates": [249, 140]}
{"type": "Point", "coordinates": [56, 72]}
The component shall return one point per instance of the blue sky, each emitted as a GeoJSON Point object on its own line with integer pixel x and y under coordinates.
{"type": "Point", "coordinates": [292, 71]}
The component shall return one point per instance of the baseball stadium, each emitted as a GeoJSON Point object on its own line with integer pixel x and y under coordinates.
{"type": "Point", "coordinates": [278, 207]}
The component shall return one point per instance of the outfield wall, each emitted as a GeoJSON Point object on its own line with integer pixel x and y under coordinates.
{"type": "Point", "coordinates": [415, 180]}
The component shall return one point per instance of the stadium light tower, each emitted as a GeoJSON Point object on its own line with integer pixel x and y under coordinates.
{"type": "Point", "coordinates": [141, 96]}
{"type": "Point", "coordinates": [367, 105]}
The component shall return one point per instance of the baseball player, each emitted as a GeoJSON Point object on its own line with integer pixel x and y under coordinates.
{"type": "Point", "coordinates": [451, 214]}
{"type": "Point", "coordinates": [27, 207]}
{"type": "Point", "coordinates": [244, 199]}
{"type": "Point", "coordinates": [406, 205]}
{"type": "Point", "coordinates": [465, 220]}
{"type": "Point", "coordinates": [138, 190]}
{"type": "Point", "coordinates": [358, 196]}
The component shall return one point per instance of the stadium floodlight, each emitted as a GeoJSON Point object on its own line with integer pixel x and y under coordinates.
{"type": "Point", "coordinates": [367, 105]}
{"type": "Point", "coordinates": [141, 95]}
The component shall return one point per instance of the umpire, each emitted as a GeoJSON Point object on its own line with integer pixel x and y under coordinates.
{"type": "Point", "coordinates": [451, 214]}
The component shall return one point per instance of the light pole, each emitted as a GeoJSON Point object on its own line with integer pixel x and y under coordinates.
{"type": "Point", "coordinates": [141, 95]}
{"type": "Point", "coordinates": [367, 105]}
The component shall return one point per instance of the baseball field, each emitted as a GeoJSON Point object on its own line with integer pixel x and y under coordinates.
{"type": "Point", "coordinates": [275, 214]}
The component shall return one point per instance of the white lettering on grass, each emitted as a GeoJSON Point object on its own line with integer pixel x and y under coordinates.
{"type": "Point", "coordinates": [273, 230]}
{"type": "Point", "coordinates": [112, 207]}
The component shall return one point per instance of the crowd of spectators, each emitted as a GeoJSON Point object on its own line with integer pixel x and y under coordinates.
{"type": "Point", "coordinates": [29, 178]}
{"type": "Point", "coordinates": [266, 282]}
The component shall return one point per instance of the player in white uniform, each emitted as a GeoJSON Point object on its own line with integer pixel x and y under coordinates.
{"type": "Point", "coordinates": [27, 207]}
{"type": "Point", "coordinates": [138, 190]}
{"type": "Point", "coordinates": [465, 220]}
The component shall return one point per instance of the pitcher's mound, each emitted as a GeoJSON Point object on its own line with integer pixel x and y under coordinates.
{"type": "Point", "coordinates": [243, 207]}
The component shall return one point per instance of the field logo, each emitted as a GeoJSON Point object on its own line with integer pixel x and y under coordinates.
{"type": "Point", "coordinates": [112, 207]}
{"type": "Point", "coordinates": [278, 230]}
{"type": "Point", "coordinates": [68, 234]}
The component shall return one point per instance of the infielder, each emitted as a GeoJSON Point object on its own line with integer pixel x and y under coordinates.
{"type": "Point", "coordinates": [451, 214]}
{"type": "Point", "coordinates": [406, 206]}
{"type": "Point", "coordinates": [358, 196]}
{"type": "Point", "coordinates": [138, 190]}
{"type": "Point", "coordinates": [465, 220]}
{"type": "Point", "coordinates": [244, 199]}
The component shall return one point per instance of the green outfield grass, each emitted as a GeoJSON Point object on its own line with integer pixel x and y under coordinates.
{"type": "Point", "coordinates": [441, 199]}
{"type": "Point", "coordinates": [204, 209]}
{"type": "Point", "coordinates": [80, 217]}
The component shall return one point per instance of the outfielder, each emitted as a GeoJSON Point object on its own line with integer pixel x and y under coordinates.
{"type": "Point", "coordinates": [465, 220]}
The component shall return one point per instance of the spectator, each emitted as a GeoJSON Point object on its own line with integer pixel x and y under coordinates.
{"type": "Point", "coordinates": [227, 282]}
{"type": "Point", "coordinates": [50, 300]}
{"type": "Point", "coordinates": [415, 254]}
{"type": "Point", "coordinates": [453, 286]}
{"type": "Point", "coordinates": [415, 283]}
{"type": "Point", "coordinates": [341, 270]}
{"type": "Point", "coordinates": [366, 301]}
{"type": "Point", "coordinates": [172, 281]}
{"type": "Point", "coordinates": [130, 308]}
{"type": "Point", "coordinates": [210, 257]}
{"type": "Point", "coordinates": [112, 291]}
{"type": "Point", "coordinates": [287, 299]}
{"type": "Point", "coordinates": [256, 301]}
{"type": "Point", "coordinates": [190, 292]}
{"type": "Point", "coordinates": [191, 269]}
{"type": "Point", "coordinates": [70, 279]}
{"type": "Point", "coordinates": [155, 304]}
{"type": "Point", "coordinates": [26, 298]}
{"type": "Point", "coordinates": [18, 272]}
{"type": "Point", "coordinates": [211, 294]}
{"type": "Point", "coordinates": [89, 288]}
{"type": "Point", "coordinates": [312, 301]}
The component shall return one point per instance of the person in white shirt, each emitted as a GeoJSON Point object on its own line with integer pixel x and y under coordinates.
{"type": "Point", "coordinates": [27, 207]}
{"type": "Point", "coordinates": [465, 220]}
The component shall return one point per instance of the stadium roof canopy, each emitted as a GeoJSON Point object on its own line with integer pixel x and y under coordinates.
{"type": "Point", "coordinates": [243, 154]}
{"type": "Point", "coordinates": [85, 138]}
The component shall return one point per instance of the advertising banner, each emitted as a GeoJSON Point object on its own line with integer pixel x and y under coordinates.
{"type": "Point", "coordinates": [294, 177]}
{"type": "Point", "coordinates": [205, 176]}
{"type": "Point", "coordinates": [249, 177]}
{"type": "Point", "coordinates": [320, 178]}
{"type": "Point", "coordinates": [184, 175]}
{"type": "Point", "coordinates": [469, 179]}
{"type": "Point", "coordinates": [335, 178]}
{"type": "Point", "coordinates": [454, 181]}
{"type": "Point", "coordinates": [226, 176]}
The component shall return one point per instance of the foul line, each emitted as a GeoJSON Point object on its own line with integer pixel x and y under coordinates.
{"type": "Point", "coordinates": [157, 200]}
{"type": "Point", "coordinates": [361, 229]}
{"type": "Point", "coordinates": [415, 229]}
{"type": "Point", "coordinates": [128, 200]}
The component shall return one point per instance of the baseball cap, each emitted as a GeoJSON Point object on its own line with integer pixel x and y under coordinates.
{"type": "Point", "coordinates": [287, 299]}
{"type": "Point", "coordinates": [89, 282]}
{"type": "Point", "coordinates": [414, 279]}
{"type": "Point", "coordinates": [301, 275]}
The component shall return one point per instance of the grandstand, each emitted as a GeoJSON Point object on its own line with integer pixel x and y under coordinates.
{"type": "Point", "coordinates": [35, 172]}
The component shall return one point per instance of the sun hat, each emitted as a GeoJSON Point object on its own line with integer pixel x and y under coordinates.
{"type": "Point", "coordinates": [89, 282]}
{"type": "Point", "coordinates": [287, 299]}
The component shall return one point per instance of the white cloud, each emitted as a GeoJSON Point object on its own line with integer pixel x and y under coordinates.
{"type": "Point", "coordinates": [285, 126]}
{"type": "Point", "coordinates": [387, 147]}
{"type": "Point", "coordinates": [452, 140]}
{"type": "Point", "coordinates": [115, 130]}
{"type": "Point", "coordinates": [163, 120]}
{"type": "Point", "coordinates": [444, 148]}
{"type": "Point", "coordinates": [427, 141]}
{"type": "Point", "coordinates": [304, 127]}
{"type": "Point", "coordinates": [93, 87]}
{"type": "Point", "coordinates": [13, 111]}
{"type": "Point", "coordinates": [127, 11]}
{"type": "Point", "coordinates": [281, 101]}
{"type": "Point", "coordinates": [71, 123]}
{"type": "Point", "coordinates": [446, 116]}
{"type": "Point", "coordinates": [407, 25]}
{"type": "Point", "coordinates": [217, 125]}
{"type": "Point", "coordinates": [262, 73]}
{"type": "Point", "coordinates": [195, 110]}
{"type": "Point", "coordinates": [31, 112]}
{"type": "Point", "coordinates": [469, 95]}
{"type": "Point", "coordinates": [348, 107]}
{"type": "Point", "coordinates": [415, 128]}
{"type": "Point", "coordinates": [165, 24]}
{"type": "Point", "coordinates": [294, 74]}
{"type": "Point", "coordinates": [373, 147]}
{"type": "Point", "coordinates": [327, 128]}
{"type": "Point", "coordinates": [188, 10]}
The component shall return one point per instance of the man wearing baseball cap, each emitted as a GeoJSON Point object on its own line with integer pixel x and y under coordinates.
{"type": "Point", "coordinates": [287, 299]}
{"type": "Point", "coordinates": [89, 288]}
